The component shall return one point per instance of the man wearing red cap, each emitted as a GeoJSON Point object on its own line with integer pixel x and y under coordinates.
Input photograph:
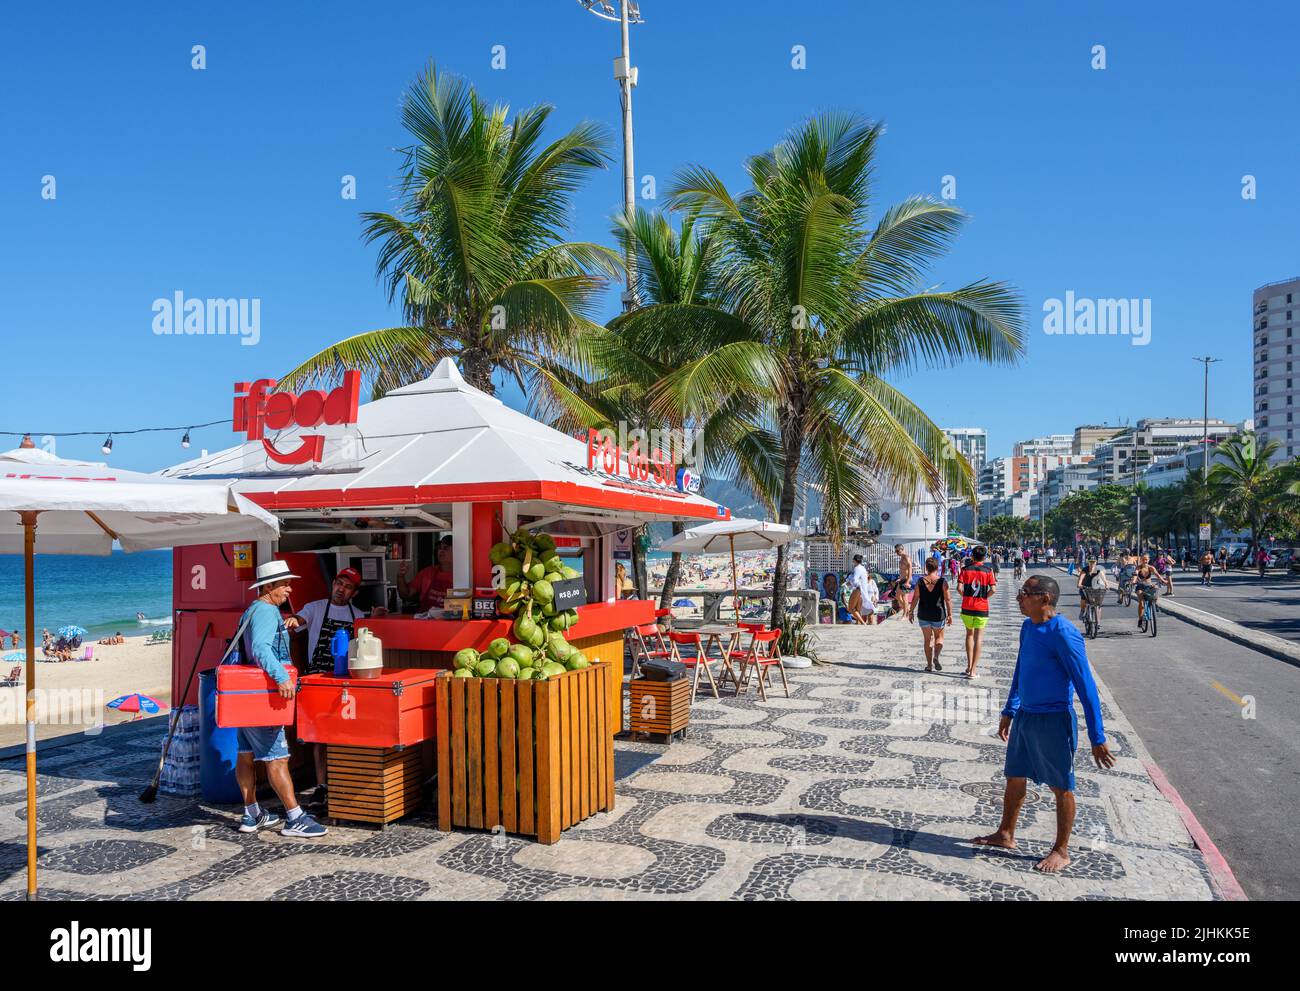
{"type": "Point", "coordinates": [321, 619]}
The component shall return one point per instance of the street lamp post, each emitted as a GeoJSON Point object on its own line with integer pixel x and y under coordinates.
{"type": "Point", "coordinates": [625, 73]}
{"type": "Point", "coordinates": [1207, 361]}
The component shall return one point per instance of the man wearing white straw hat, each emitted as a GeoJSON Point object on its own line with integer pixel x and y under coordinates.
{"type": "Point", "coordinates": [266, 643]}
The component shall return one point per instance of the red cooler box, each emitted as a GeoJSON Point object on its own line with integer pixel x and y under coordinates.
{"type": "Point", "coordinates": [394, 709]}
{"type": "Point", "coordinates": [248, 696]}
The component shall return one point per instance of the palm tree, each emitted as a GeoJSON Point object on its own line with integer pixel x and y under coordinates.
{"type": "Point", "coordinates": [476, 249]}
{"type": "Point", "coordinates": [621, 364]}
{"type": "Point", "coordinates": [813, 307]}
{"type": "Point", "coordinates": [1244, 486]}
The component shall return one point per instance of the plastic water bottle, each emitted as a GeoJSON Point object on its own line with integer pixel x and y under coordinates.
{"type": "Point", "coordinates": [339, 651]}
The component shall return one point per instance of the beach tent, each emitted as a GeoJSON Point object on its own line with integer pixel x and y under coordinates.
{"type": "Point", "coordinates": [733, 535]}
{"type": "Point", "coordinates": [49, 505]}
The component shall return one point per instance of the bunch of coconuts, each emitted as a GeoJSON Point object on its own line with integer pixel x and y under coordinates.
{"type": "Point", "coordinates": [531, 567]}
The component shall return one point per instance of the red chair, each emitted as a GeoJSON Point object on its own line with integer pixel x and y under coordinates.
{"type": "Point", "coordinates": [697, 660]}
{"type": "Point", "coordinates": [664, 617]}
{"type": "Point", "coordinates": [764, 653]}
{"type": "Point", "coordinates": [648, 643]}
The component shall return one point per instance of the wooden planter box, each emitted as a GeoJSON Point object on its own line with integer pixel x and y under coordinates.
{"type": "Point", "coordinates": [533, 757]}
{"type": "Point", "coordinates": [659, 707]}
{"type": "Point", "coordinates": [370, 784]}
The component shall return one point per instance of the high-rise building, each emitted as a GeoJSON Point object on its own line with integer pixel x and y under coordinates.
{"type": "Point", "coordinates": [1005, 477]}
{"type": "Point", "coordinates": [1276, 313]}
{"type": "Point", "coordinates": [1051, 444]}
{"type": "Point", "coordinates": [1087, 437]}
{"type": "Point", "coordinates": [971, 442]}
{"type": "Point", "coordinates": [1122, 459]}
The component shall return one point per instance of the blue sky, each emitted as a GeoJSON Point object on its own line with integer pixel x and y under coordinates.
{"type": "Point", "coordinates": [1123, 182]}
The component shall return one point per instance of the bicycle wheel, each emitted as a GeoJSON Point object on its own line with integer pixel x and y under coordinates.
{"type": "Point", "coordinates": [1152, 622]}
{"type": "Point", "coordinates": [1142, 617]}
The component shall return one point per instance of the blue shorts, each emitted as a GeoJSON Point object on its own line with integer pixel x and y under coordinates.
{"type": "Point", "coordinates": [1042, 748]}
{"type": "Point", "coordinates": [263, 742]}
{"type": "Point", "coordinates": [931, 624]}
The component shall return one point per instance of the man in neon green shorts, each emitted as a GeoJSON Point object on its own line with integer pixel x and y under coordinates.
{"type": "Point", "coordinates": [977, 582]}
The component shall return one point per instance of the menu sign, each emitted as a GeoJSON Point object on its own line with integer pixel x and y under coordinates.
{"type": "Point", "coordinates": [570, 594]}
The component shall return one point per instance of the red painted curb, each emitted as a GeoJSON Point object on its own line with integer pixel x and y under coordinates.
{"type": "Point", "coordinates": [1220, 873]}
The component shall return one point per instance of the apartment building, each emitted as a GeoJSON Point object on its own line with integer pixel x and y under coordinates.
{"type": "Point", "coordinates": [1275, 314]}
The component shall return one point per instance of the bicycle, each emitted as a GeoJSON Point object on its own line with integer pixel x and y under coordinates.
{"type": "Point", "coordinates": [1093, 598]}
{"type": "Point", "coordinates": [1147, 618]}
{"type": "Point", "coordinates": [1124, 592]}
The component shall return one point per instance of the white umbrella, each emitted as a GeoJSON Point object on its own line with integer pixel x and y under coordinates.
{"type": "Point", "coordinates": [733, 535]}
{"type": "Point", "coordinates": [54, 506]}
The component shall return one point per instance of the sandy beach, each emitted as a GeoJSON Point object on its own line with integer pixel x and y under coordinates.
{"type": "Point", "coordinates": [72, 694]}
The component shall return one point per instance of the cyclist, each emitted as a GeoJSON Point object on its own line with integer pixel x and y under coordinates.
{"type": "Point", "coordinates": [1091, 577]}
{"type": "Point", "coordinates": [1125, 566]}
{"type": "Point", "coordinates": [1144, 582]}
{"type": "Point", "coordinates": [1019, 570]}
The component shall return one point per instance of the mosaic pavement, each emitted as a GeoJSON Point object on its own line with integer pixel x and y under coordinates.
{"type": "Point", "coordinates": [866, 783]}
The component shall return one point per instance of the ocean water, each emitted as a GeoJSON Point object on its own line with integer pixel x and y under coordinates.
{"type": "Point", "coordinates": [102, 594]}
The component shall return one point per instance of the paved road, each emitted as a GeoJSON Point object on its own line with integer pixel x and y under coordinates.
{"type": "Point", "coordinates": [1240, 776]}
{"type": "Point", "coordinates": [1271, 605]}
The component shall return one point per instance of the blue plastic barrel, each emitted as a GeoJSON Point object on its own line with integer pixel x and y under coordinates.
{"type": "Point", "coordinates": [218, 748]}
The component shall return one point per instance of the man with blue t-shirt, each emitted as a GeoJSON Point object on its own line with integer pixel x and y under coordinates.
{"type": "Point", "coordinates": [1039, 718]}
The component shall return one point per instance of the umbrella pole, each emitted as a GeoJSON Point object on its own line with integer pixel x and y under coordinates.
{"type": "Point", "coordinates": [29, 572]}
{"type": "Point", "coordinates": [735, 585]}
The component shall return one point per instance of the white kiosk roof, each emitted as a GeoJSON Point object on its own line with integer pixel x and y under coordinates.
{"type": "Point", "coordinates": [442, 441]}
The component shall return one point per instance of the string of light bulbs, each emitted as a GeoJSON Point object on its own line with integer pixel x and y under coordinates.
{"type": "Point", "coordinates": [107, 446]}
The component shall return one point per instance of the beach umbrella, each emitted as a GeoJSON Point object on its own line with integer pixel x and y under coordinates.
{"type": "Point", "coordinates": [683, 602]}
{"type": "Point", "coordinates": [734, 535]}
{"type": "Point", "coordinates": [135, 702]}
{"type": "Point", "coordinates": [51, 505]}
{"type": "Point", "coordinates": [71, 632]}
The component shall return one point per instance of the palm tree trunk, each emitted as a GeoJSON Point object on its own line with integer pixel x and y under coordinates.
{"type": "Point", "coordinates": [478, 370]}
{"type": "Point", "coordinates": [792, 430]}
{"type": "Point", "coordinates": [674, 571]}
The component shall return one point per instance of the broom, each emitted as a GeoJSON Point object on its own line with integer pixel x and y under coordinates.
{"type": "Point", "coordinates": [151, 792]}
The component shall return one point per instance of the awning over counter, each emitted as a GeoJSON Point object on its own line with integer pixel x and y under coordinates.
{"type": "Point", "coordinates": [441, 441]}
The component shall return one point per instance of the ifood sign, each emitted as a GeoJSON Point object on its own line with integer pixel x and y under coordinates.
{"type": "Point", "coordinates": [258, 409]}
{"type": "Point", "coordinates": [687, 480]}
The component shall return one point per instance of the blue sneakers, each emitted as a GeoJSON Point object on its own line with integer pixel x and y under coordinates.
{"type": "Point", "coordinates": [248, 824]}
{"type": "Point", "coordinates": [304, 825]}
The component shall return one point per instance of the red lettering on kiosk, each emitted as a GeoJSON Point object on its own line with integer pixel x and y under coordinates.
{"type": "Point", "coordinates": [257, 408]}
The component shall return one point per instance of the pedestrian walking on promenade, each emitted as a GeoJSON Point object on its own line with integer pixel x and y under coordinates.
{"type": "Point", "coordinates": [1038, 722]}
{"type": "Point", "coordinates": [865, 594]}
{"type": "Point", "coordinates": [976, 582]}
{"type": "Point", "coordinates": [931, 607]}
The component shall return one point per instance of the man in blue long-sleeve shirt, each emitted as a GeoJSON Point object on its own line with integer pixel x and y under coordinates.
{"type": "Point", "coordinates": [266, 644]}
{"type": "Point", "coordinates": [1039, 718]}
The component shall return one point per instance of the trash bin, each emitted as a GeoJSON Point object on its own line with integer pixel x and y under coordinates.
{"type": "Point", "coordinates": [218, 748]}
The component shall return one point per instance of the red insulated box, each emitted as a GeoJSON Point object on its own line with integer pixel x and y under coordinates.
{"type": "Point", "coordinates": [248, 696]}
{"type": "Point", "coordinates": [393, 709]}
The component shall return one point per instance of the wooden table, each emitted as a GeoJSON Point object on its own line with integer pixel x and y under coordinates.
{"type": "Point", "coordinates": [715, 634]}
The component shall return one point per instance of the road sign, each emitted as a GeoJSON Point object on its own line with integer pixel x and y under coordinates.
{"type": "Point", "coordinates": [1205, 531]}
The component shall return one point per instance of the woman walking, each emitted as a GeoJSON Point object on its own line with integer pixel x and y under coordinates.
{"type": "Point", "coordinates": [931, 607]}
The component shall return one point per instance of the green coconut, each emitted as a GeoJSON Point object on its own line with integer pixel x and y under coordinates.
{"type": "Point", "coordinates": [577, 661]}
{"type": "Point", "coordinates": [553, 577]}
{"type": "Point", "coordinates": [549, 610]}
{"type": "Point", "coordinates": [543, 592]}
{"type": "Point", "coordinates": [507, 608]}
{"type": "Point", "coordinates": [500, 552]}
{"type": "Point", "coordinates": [464, 659]}
{"type": "Point", "coordinates": [538, 638]}
{"type": "Point", "coordinates": [559, 648]}
{"type": "Point", "coordinates": [498, 648]}
{"type": "Point", "coordinates": [463, 673]}
{"type": "Point", "coordinates": [545, 542]}
{"type": "Point", "coordinates": [486, 668]}
{"type": "Point", "coordinates": [522, 654]}
{"type": "Point", "coordinates": [514, 568]}
{"type": "Point", "coordinates": [524, 629]}
{"type": "Point", "coordinates": [557, 622]}
{"type": "Point", "coordinates": [536, 572]}
{"type": "Point", "coordinates": [508, 668]}
{"type": "Point", "coordinates": [569, 573]}
{"type": "Point", "coordinates": [551, 669]}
